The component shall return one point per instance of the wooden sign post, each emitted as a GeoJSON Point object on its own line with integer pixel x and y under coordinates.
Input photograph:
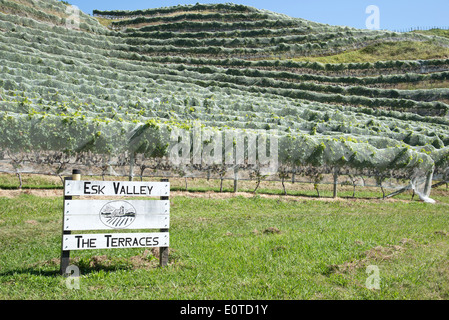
{"type": "Point", "coordinates": [113, 215]}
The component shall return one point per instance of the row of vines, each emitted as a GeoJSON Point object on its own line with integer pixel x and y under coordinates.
{"type": "Point", "coordinates": [120, 102]}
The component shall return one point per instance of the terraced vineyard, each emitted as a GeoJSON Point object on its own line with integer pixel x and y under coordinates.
{"type": "Point", "coordinates": [109, 96]}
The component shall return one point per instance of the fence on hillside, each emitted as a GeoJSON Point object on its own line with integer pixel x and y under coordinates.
{"type": "Point", "coordinates": [420, 29]}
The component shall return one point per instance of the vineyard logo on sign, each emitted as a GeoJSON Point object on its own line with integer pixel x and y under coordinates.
{"type": "Point", "coordinates": [118, 214]}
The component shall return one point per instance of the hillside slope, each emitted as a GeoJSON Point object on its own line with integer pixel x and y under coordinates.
{"type": "Point", "coordinates": [106, 97]}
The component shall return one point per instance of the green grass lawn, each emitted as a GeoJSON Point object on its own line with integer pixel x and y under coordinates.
{"type": "Point", "coordinates": [239, 248]}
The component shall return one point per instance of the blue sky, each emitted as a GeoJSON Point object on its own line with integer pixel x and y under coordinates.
{"type": "Point", "coordinates": [394, 14]}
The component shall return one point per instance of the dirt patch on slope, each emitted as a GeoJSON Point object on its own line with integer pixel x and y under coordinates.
{"type": "Point", "coordinates": [35, 192]}
{"type": "Point", "coordinates": [376, 254]}
{"type": "Point", "coordinates": [208, 194]}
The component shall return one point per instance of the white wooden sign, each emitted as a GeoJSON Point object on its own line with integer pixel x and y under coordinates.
{"type": "Point", "coordinates": [116, 188]}
{"type": "Point", "coordinates": [119, 214]}
{"type": "Point", "coordinates": [83, 215]}
{"type": "Point", "coordinates": [115, 241]}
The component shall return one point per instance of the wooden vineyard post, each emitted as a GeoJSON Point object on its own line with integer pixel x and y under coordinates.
{"type": "Point", "coordinates": [163, 251]}
{"type": "Point", "coordinates": [236, 179]}
{"type": "Point", "coordinates": [65, 254]}
{"type": "Point", "coordinates": [335, 175]}
{"type": "Point", "coordinates": [428, 185]}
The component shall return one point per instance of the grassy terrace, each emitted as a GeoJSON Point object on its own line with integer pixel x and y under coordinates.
{"type": "Point", "coordinates": [245, 246]}
{"type": "Point", "coordinates": [239, 248]}
{"type": "Point", "coordinates": [386, 51]}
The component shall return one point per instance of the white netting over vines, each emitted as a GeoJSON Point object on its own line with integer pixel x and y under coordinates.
{"type": "Point", "coordinates": [144, 102]}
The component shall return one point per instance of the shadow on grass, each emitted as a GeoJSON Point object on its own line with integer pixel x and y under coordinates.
{"type": "Point", "coordinates": [30, 271]}
{"type": "Point", "coordinates": [88, 265]}
{"type": "Point", "coordinates": [29, 187]}
{"type": "Point", "coordinates": [217, 191]}
{"type": "Point", "coordinates": [273, 193]}
{"type": "Point", "coordinates": [230, 190]}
